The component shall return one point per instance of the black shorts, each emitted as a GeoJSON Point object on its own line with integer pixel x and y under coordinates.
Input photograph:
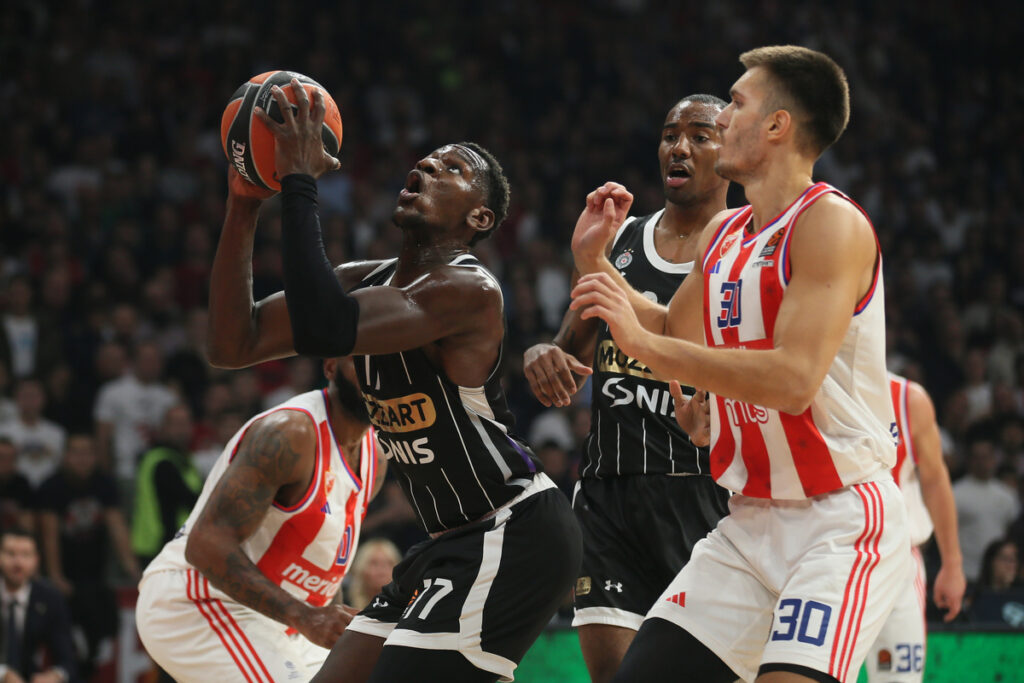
{"type": "Point", "coordinates": [638, 532]}
{"type": "Point", "coordinates": [485, 590]}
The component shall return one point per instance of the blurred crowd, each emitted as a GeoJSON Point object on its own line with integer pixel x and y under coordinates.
{"type": "Point", "coordinates": [112, 186]}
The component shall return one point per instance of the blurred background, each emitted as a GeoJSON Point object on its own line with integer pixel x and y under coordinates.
{"type": "Point", "coordinates": [112, 187]}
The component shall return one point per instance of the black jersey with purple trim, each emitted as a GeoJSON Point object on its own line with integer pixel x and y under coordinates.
{"type": "Point", "coordinates": [633, 428]}
{"type": "Point", "coordinates": [451, 447]}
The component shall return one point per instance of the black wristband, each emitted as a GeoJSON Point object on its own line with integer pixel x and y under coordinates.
{"type": "Point", "coordinates": [323, 317]}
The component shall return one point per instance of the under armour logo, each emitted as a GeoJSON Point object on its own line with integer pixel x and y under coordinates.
{"type": "Point", "coordinates": [608, 585]}
{"type": "Point", "coordinates": [377, 602]}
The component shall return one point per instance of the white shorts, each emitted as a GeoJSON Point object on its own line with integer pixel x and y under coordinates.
{"type": "Point", "coordinates": [807, 582]}
{"type": "Point", "coordinates": [897, 655]}
{"type": "Point", "coordinates": [196, 637]}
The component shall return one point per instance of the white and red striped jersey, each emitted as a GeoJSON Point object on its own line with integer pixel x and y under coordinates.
{"type": "Point", "coordinates": [905, 471]}
{"type": "Point", "coordinates": [844, 437]}
{"type": "Point", "coordinates": [304, 548]}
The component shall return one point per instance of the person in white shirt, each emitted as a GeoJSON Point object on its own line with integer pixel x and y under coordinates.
{"type": "Point", "coordinates": [40, 442]}
{"type": "Point", "coordinates": [985, 506]}
{"type": "Point", "coordinates": [129, 409]}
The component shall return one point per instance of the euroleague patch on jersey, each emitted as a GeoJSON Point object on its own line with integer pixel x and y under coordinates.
{"type": "Point", "coordinates": [772, 244]}
{"type": "Point", "coordinates": [624, 259]}
{"type": "Point", "coordinates": [583, 585]}
{"type": "Point", "coordinates": [402, 414]}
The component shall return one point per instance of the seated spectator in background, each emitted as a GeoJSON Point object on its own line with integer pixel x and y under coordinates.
{"type": "Point", "coordinates": [210, 445]}
{"type": "Point", "coordinates": [35, 626]}
{"type": "Point", "coordinates": [27, 344]}
{"type": "Point", "coordinates": [7, 408]}
{"type": "Point", "coordinates": [129, 409]}
{"type": "Point", "coordinates": [168, 485]}
{"type": "Point", "coordinates": [371, 571]}
{"type": "Point", "coordinates": [301, 378]}
{"type": "Point", "coordinates": [15, 492]}
{"type": "Point", "coordinates": [985, 506]}
{"type": "Point", "coordinates": [999, 595]}
{"type": "Point", "coordinates": [79, 518]}
{"type": "Point", "coordinates": [39, 441]}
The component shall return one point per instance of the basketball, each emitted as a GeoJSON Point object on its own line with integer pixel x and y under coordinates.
{"type": "Point", "coordinates": [249, 144]}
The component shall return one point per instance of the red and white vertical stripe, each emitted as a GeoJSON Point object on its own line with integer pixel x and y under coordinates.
{"type": "Point", "coordinates": [766, 453]}
{"type": "Point", "coordinates": [855, 596]}
{"type": "Point", "coordinates": [223, 624]}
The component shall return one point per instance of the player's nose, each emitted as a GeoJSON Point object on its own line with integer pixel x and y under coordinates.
{"type": "Point", "coordinates": [428, 165]}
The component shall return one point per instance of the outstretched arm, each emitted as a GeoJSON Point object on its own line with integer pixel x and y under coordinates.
{"type": "Point", "coordinates": [829, 277]}
{"type": "Point", "coordinates": [937, 492]}
{"type": "Point", "coordinates": [277, 452]}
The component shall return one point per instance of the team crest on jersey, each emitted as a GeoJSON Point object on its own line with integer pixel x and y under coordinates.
{"type": "Point", "coordinates": [624, 259]}
{"type": "Point", "coordinates": [772, 244]}
{"type": "Point", "coordinates": [727, 243]}
{"type": "Point", "coordinates": [582, 586]}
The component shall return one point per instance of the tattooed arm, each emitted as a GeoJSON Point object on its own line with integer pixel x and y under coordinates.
{"type": "Point", "coordinates": [275, 461]}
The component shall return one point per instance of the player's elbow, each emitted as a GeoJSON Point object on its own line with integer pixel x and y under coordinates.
{"type": "Point", "coordinates": [223, 355]}
{"type": "Point", "coordinates": [199, 549]}
{"type": "Point", "coordinates": [796, 398]}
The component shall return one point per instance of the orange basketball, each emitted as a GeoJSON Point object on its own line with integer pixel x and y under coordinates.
{"type": "Point", "coordinates": [249, 144]}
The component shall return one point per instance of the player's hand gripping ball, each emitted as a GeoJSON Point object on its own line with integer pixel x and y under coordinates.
{"type": "Point", "coordinates": [249, 144]}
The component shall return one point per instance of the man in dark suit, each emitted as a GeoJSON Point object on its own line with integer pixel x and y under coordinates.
{"type": "Point", "coordinates": [35, 627]}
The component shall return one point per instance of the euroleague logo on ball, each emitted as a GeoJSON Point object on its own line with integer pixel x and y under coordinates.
{"type": "Point", "coordinates": [248, 143]}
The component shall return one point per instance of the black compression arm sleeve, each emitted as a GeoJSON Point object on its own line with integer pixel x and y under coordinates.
{"type": "Point", "coordinates": [323, 316]}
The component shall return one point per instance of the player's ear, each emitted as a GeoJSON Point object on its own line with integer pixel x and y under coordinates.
{"type": "Point", "coordinates": [779, 124]}
{"type": "Point", "coordinates": [330, 367]}
{"type": "Point", "coordinates": [481, 219]}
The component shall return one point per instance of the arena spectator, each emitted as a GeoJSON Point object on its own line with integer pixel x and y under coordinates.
{"type": "Point", "coordinates": [81, 528]}
{"type": "Point", "coordinates": [168, 485]}
{"type": "Point", "coordinates": [36, 625]}
{"type": "Point", "coordinates": [985, 506]}
{"type": "Point", "coordinates": [129, 409]}
{"type": "Point", "coordinates": [27, 343]}
{"type": "Point", "coordinates": [16, 499]}
{"type": "Point", "coordinates": [40, 442]}
{"type": "Point", "coordinates": [370, 571]}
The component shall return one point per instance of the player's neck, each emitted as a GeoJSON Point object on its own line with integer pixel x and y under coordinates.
{"type": "Point", "coordinates": [684, 221]}
{"type": "Point", "coordinates": [419, 255]}
{"type": "Point", "coordinates": [348, 432]}
{"type": "Point", "coordinates": [778, 184]}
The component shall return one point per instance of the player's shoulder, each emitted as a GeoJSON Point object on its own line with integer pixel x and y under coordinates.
{"type": "Point", "coordinates": [287, 422]}
{"type": "Point", "coordinates": [711, 229]}
{"type": "Point", "coordinates": [469, 277]}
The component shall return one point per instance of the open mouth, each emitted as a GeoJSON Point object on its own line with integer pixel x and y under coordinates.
{"type": "Point", "coordinates": [678, 175]}
{"type": "Point", "coordinates": [413, 182]}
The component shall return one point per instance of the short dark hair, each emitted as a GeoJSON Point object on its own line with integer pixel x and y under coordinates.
{"type": "Point", "coordinates": [17, 532]}
{"type": "Point", "coordinates": [702, 98]}
{"type": "Point", "coordinates": [496, 190]}
{"type": "Point", "coordinates": [813, 85]}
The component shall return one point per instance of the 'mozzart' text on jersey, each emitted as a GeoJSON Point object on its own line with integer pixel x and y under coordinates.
{"type": "Point", "coordinates": [633, 427]}
{"type": "Point", "coordinates": [304, 548]}
{"type": "Point", "coordinates": [451, 447]}
{"type": "Point", "coordinates": [844, 436]}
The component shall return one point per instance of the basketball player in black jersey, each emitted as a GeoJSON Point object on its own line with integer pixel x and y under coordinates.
{"type": "Point", "coordinates": [645, 495]}
{"type": "Point", "coordinates": [426, 330]}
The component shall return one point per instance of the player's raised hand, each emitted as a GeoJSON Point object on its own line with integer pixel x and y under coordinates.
{"type": "Point", "coordinates": [950, 585]}
{"type": "Point", "coordinates": [549, 370]}
{"type": "Point", "coordinates": [324, 625]}
{"type": "Point", "coordinates": [598, 296]}
{"type": "Point", "coordinates": [606, 208]}
{"type": "Point", "coordinates": [693, 414]}
{"type": "Point", "coordinates": [299, 146]}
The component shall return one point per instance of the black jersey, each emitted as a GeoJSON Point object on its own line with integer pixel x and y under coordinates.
{"type": "Point", "coordinates": [633, 427]}
{"type": "Point", "coordinates": [452, 446]}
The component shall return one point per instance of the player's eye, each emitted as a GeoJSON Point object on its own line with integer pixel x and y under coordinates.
{"type": "Point", "coordinates": [701, 138]}
{"type": "Point", "coordinates": [454, 169]}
